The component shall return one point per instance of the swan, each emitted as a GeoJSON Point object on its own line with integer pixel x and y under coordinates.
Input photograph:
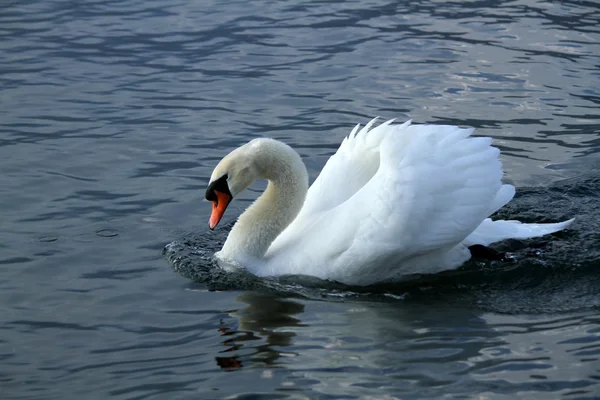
{"type": "Point", "coordinates": [393, 201]}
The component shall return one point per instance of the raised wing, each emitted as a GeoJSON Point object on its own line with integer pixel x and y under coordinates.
{"type": "Point", "coordinates": [349, 169]}
{"type": "Point", "coordinates": [430, 187]}
{"type": "Point", "coordinates": [345, 173]}
{"type": "Point", "coordinates": [434, 187]}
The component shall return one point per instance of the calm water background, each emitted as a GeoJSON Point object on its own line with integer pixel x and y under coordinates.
{"type": "Point", "coordinates": [113, 113]}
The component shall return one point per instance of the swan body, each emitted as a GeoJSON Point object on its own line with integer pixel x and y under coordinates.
{"type": "Point", "coordinates": [393, 201]}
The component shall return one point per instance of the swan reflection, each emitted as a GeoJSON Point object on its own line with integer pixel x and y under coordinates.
{"type": "Point", "coordinates": [264, 320]}
{"type": "Point", "coordinates": [408, 345]}
{"type": "Point", "coordinates": [271, 329]}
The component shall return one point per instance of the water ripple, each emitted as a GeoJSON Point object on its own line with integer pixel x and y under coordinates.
{"type": "Point", "coordinates": [113, 113]}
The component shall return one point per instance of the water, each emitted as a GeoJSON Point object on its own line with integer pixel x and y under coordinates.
{"type": "Point", "coordinates": [113, 113]}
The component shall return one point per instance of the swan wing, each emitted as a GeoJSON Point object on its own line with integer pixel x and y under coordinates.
{"type": "Point", "coordinates": [354, 163]}
{"type": "Point", "coordinates": [349, 169]}
{"type": "Point", "coordinates": [390, 195]}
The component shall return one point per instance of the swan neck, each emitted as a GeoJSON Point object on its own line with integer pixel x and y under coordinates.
{"type": "Point", "coordinates": [274, 210]}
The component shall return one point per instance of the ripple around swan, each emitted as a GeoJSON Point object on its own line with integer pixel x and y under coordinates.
{"type": "Point", "coordinates": [548, 274]}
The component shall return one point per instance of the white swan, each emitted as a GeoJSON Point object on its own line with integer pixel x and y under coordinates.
{"type": "Point", "coordinates": [393, 201]}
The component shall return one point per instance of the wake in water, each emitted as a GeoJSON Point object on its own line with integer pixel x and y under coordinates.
{"type": "Point", "coordinates": [557, 273]}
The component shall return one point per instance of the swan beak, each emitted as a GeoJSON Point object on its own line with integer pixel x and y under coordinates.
{"type": "Point", "coordinates": [219, 205]}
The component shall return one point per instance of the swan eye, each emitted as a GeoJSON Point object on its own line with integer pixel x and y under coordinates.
{"type": "Point", "coordinates": [219, 185]}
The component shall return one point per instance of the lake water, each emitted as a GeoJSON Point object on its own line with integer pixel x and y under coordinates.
{"type": "Point", "coordinates": [113, 114]}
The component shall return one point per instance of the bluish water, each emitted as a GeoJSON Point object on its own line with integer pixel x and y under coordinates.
{"type": "Point", "coordinates": [113, 113]}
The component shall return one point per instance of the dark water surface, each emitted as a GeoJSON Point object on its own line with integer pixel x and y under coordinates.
{"type": "Point", "coordinates": [113, 113]}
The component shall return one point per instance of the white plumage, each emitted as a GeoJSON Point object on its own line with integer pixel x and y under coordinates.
{"type": "Point", "coordinates": [394, 200]}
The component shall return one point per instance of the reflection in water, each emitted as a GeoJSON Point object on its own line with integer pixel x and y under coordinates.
{"type": "Point", "coordinates": [228, 362]}
{"type": "Point", "coordinates": [410, 348]}
{"type": "Point", "coordinates": [275, 322]}
{"type": "Point", "coordinates": [262, 321]}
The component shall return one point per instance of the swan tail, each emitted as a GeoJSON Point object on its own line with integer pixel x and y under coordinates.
{"type": "Point", "coordinates": [490, 231]}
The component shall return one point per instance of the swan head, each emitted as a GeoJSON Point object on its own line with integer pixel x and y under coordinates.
{"type": "Point", "coordinates": [234, 174]}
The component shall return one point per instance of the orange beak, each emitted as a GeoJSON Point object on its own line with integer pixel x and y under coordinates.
{"type": "Point", "coordinates": [218, 208]}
